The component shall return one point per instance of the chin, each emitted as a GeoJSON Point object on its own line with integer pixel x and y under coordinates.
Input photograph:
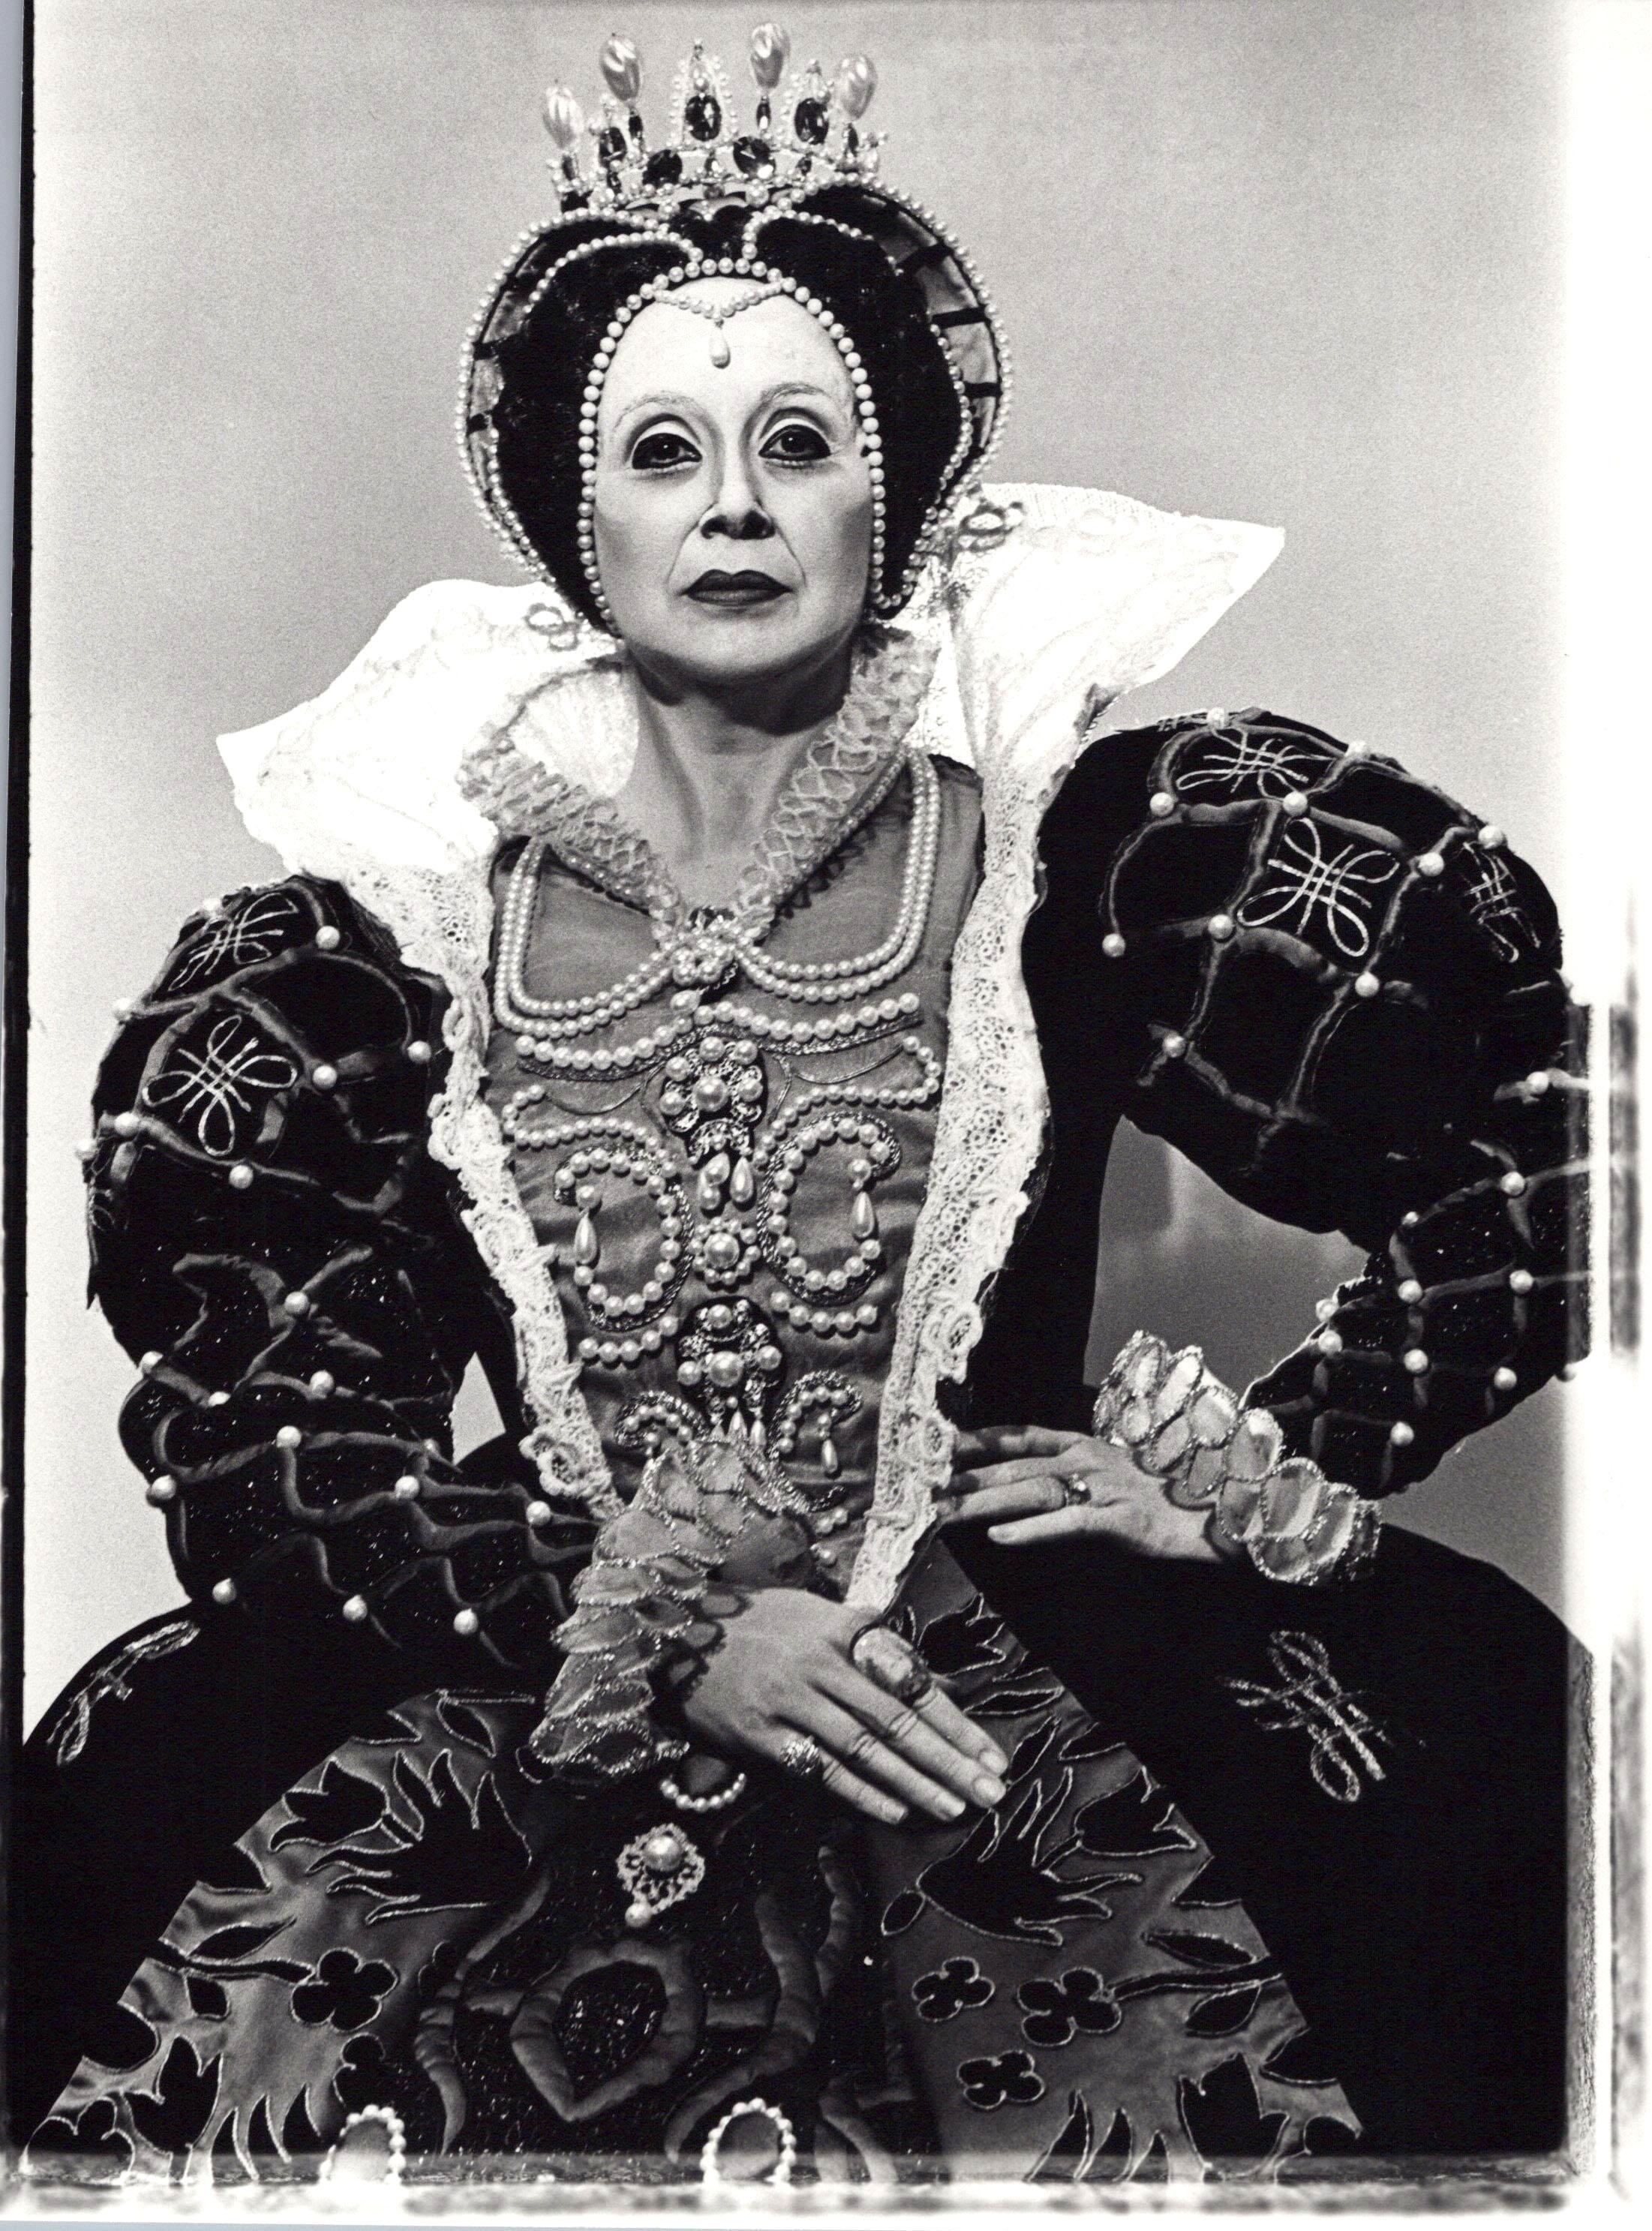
{"type": "Point", "coordinates": [746, 645]}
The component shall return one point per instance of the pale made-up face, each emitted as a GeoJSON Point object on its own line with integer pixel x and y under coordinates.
{"type": "Point", "coordinates": [733, 501]}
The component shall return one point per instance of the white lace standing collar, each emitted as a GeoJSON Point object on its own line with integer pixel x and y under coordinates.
{"type": "Point", "coordinates": [1046, 604]}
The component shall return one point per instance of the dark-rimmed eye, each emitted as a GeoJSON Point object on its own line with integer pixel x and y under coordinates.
{"type": "Point", "coordinates": [663, 451]}
{"type": "Point", "coordinates": [796, 443]}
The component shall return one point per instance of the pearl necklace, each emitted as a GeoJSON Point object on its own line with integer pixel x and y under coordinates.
{"type": "Point", "coordinates": [699, 953]}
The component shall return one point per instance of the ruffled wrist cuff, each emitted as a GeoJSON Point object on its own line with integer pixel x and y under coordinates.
{"type": "Point", "coordinates": [1181, 1424]}
{"type": "Point", "coordinates": [651, 1612]}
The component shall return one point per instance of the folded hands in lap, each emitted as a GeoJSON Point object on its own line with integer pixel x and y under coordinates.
{"type": "Point", "coordinates": [783, 1686]}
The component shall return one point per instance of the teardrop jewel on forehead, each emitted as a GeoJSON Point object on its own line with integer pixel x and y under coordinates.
{"type": "Point", "coordinates": [719, 313]}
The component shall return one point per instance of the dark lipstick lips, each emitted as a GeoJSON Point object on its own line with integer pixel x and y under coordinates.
{"type": "Point", "coordinates": [736, 589]}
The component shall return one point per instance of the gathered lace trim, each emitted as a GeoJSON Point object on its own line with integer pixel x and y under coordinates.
{"type": "Point", "coordinates": [988, 1130]}
{"type": "Point", "coordinates": [651, 1607]}
{"type": "Point", "coordinates": [1045, 598]}
{"type": "Point", "coordinates": [840, 781]}
{"type": "Point", "coordinates": [1031, 586]}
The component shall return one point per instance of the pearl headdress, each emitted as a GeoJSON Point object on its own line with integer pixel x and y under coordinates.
{"type": "Point", "coordinates": [810, 164]}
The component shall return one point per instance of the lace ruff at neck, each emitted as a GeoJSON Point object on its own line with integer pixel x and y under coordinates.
{"type": "Point", "coordinates": [841, 778]}
{"type": "Point", "coordinates": [1046, 597]}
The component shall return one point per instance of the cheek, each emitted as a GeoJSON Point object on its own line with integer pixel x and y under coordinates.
{"type": "Point", "coordinates": [638, 534]}
{"type": "Point", "coordinates": [836, 536]}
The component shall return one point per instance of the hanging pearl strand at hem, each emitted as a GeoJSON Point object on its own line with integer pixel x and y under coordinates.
{"type": "Point", "coordinates": [540, 1024]}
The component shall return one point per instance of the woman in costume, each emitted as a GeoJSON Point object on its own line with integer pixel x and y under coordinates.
{"type": "Point", "coordinates": [820, 1738]}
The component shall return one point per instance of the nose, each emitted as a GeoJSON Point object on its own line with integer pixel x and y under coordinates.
{"type": "Point", "coordinates": [736, 510]}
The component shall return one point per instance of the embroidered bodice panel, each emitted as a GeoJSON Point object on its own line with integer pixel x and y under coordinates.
{"type": "Point", "coordinates": [729, 1214]}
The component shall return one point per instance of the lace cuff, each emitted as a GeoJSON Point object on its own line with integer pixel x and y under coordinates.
{"type": "Point", "coordinates": [651, 1612]}
{"type": "Point", "coordinates": [1181, 1424]}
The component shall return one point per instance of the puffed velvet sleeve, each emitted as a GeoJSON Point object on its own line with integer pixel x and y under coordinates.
{"type": "Point", "coordinates": [1338, 992]}
{"type": "Point", "coordinates": [273, 1240]}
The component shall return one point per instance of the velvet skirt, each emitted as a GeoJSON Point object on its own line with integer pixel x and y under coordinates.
{"type": "Point", "coordinates": [1283, 1886]}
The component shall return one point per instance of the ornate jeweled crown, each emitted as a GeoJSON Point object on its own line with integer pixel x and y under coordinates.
{"type": "Point", "coordinates": [807, 137]}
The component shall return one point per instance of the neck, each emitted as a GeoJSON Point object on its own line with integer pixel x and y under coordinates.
{"type": "Point", "coordinates": [711, 763]}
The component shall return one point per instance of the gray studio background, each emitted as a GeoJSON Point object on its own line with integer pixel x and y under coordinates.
{"type": "Point", "coordinates": [1295, 261]}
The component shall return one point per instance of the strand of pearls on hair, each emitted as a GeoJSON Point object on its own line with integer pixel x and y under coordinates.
{"type": "Point", "coordinates": [771, 283]}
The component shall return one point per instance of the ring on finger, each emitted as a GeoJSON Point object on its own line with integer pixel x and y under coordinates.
{"type": "Point", "coordinates": [803, 1756]}
{"type": "Point", "coordinates": [1074, 1487]}
{"type": "Point", "coordinates": [879, 1654]}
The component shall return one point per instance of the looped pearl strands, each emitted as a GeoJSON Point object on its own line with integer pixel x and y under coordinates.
{"type": "Point", "coordinates": [692, 950]}
{"type": "Point", "coordinates": [771, 285]}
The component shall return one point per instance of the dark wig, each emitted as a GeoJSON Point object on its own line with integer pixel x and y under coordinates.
{"type": "Point", "coordinates": [532, 360]}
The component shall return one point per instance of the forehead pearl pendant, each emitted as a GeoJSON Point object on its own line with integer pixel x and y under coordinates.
{"type": "Point", "coordinates": [718, 314]}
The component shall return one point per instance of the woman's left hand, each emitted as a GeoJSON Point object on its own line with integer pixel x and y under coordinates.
{"type": "Point", "coordinates": [1040, 1485]}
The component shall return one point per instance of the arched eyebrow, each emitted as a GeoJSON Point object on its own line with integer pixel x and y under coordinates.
{"type": "Point", "coordinates": [782, 390]}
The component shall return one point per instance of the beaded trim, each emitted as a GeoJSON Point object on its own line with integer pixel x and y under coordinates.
{"type": "Point", "coordinates": [395, 2148]}
{"type": "Point", "coordinates": [886, 602]}
{"type": "Point", "coordinates": [1182, 1426]}
{"type": "Point", "coordinates": [698, 954]}
{"type": "Point", "coordinates": [771, 283]}
{"type": "Point", "coordinates": [843, 776]}
{"type": "Point", "coordinates": [980, 414]}
{"type": "Point", "coordinates": [714, 1800]}
{"type": "Point", "coordinates": [785, 2163]}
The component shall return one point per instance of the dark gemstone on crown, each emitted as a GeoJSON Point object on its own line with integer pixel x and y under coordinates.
{"type": "Point", "coordinates": [811, 122]}
{"type": "Point", "coordinates": [663, 168]}
{"type": "Point", "coordinates": [611, 146]}
{"type": "Point", "coordinates": [702, 115]}
{"type": "Point", "coordinates": [752, 156]}
{"type": "Point", "coordinates": [575, 197]}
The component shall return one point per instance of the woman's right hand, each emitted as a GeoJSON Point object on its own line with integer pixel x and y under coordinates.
{"type": "Point", "coordinates": [783, 1670]}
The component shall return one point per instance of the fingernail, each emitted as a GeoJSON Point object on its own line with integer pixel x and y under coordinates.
{"type": "Point", "coordinates": [950, 1805]}
{"type": "Point", "coordinates": [993, 1760]}
{"type": "Point", "coordinates": [988, 1788]}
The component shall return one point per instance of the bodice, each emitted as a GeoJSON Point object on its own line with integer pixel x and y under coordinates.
{"type": "Point", "coordinates": [725, 1171]}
